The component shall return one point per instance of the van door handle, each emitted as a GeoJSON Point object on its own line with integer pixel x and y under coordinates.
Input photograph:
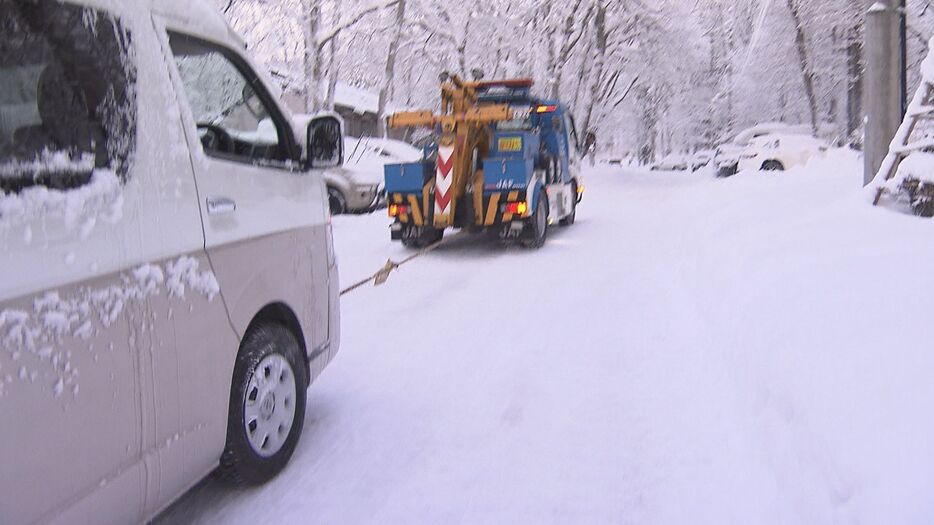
{"type": "Point", "coordinates": [220, 205]}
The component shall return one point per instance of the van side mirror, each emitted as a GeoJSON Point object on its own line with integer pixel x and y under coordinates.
{"type": "Point", "coordinates": [325, 143]}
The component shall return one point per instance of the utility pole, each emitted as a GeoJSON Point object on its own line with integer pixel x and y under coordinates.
{"type": "Point", "coordinates": [903, 37]}
{"type": "Point", "coordinates": [885, 83]}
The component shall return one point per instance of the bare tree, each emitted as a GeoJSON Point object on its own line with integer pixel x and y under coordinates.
{"type": "Point", "coordinates": [390, 72]}
{"type": "Point", "coordinates": [678, 74]}
{"type": "Point", "coordinates": [598, 82]}
{"type": "Point", "coordinates": [570, 36]}
{"type": "Point", "coordinates": [807, 74]}
{"type": "Point", "coordinates": [315, 41]}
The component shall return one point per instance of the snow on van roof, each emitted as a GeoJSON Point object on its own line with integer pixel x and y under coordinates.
{"type": "Point", "coordinates": [200, 15]}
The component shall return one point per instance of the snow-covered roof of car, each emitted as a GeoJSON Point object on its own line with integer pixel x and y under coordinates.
{"type": "Point", "coordinates": [769, 128]}
{"type": "Point", "coordinates": [787, 138]}
{"type": "Point", "coordinates": [365, 157]}
{"type": "Point", "coordinates": [677, 156]}
{"type": "Point", "coordinates": [358, 99]}
{"type": "Point", "coordinates": [402, 151]}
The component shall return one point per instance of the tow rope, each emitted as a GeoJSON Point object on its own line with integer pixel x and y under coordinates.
{"type": "Point", "coordinates": [382, 275]}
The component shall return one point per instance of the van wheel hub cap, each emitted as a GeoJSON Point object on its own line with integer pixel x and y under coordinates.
{"type": "Point", "coordinates": [269, 405]}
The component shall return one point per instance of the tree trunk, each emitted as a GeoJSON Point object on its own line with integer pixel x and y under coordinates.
{"type": "Point", "coordinates": [807, 75]}
{"type": "Point", "coordinates": [649, 128]}
{"type": "Point", "coordinates": [600, 43]}
{"type": "Point", "coordinates": [498, 61]}
{"type": "Point", "coordinates": [583, 77]}
{"type": "Point", "coordinates": [567, 36]}
{"type": "Point", "coordinates": [548, 40]}
{"type": "Point", "coordinates": [312, 58]}
{"type": "Point", "coordinates": [854, 87]}
{"type": "Point", "coordinates": [462, 51]}
{"type": "Point", "coordinates": [390, 72]}
{"type": "Point", "coordinates": [332, 73]}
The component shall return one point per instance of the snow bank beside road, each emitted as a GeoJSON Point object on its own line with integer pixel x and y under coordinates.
{"type": "Point", "coordinates": [818, 301]}
{"type": "Point", "coordinates": [835, 162]}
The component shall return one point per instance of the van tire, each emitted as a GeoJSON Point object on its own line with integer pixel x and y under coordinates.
{"type": "Point", "coordinates": [264, 347]}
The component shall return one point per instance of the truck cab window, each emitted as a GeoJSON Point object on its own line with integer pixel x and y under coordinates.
{"type": "Point", "coordinates": [227, 102]}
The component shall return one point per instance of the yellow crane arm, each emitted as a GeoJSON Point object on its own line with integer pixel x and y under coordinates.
{"type": "Point", "coordinates": [478, 115]}
{"type": "Point", "coordinates": [407, 119]}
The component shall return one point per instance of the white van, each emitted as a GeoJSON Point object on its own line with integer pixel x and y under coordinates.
{"type": "Point", "coordinates": [168, 287]}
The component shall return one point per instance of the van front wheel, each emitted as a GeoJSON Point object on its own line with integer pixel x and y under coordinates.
{"type": "Point", "coordinates": [267, 405]}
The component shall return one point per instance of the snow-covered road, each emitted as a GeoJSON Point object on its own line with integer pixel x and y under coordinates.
{"type": "Point", "coordinates": [750, 350]}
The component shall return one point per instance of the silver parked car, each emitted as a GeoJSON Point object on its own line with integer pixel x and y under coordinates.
{"type": "Point", "coordinates": [168, 287]}
{"type": "Point", "coordinates": [362, 173]}
{"type": "Point", "coordinates": [357, 186]}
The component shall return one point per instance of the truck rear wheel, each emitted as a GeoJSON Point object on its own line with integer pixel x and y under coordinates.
{"type": "Point", "coordinates": [538, 224]}
{"type": "Point", "coordinates": [420, 237]}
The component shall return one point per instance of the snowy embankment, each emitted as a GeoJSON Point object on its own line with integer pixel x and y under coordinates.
{"type": "Point", "coordinates": [749, 350]}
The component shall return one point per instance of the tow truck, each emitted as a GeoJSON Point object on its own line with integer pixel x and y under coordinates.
{"type": "Point", "coordinates": [501, 160]}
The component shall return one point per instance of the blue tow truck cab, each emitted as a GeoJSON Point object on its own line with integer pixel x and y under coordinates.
{"type": "Point", "coordinates": [525, 169]}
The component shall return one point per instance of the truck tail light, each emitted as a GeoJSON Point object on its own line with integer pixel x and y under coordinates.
{"type": "Point", "coordinates": [517, 208]}
{"type": "Point", "coordinates": [396, 210]}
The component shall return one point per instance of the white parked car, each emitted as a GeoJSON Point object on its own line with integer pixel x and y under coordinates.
{"type": "Point", "coordinates": [169, 287]}
{"type": "Point", "coordinates": [779, 152]}
{"type": "Point", "coordinates": [673, 162]}
{"type": "Point", "coordinates": [701, 159]}
{"type": "Point", "coordinates": [726, 159]}
{"type": "Point", "coordinates": [727, 155]}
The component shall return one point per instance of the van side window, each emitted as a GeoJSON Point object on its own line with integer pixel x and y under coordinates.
{"type": "Point", "coordinates": [67, 95]}
{"type": "Point", "coordinates": [230, 107]}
